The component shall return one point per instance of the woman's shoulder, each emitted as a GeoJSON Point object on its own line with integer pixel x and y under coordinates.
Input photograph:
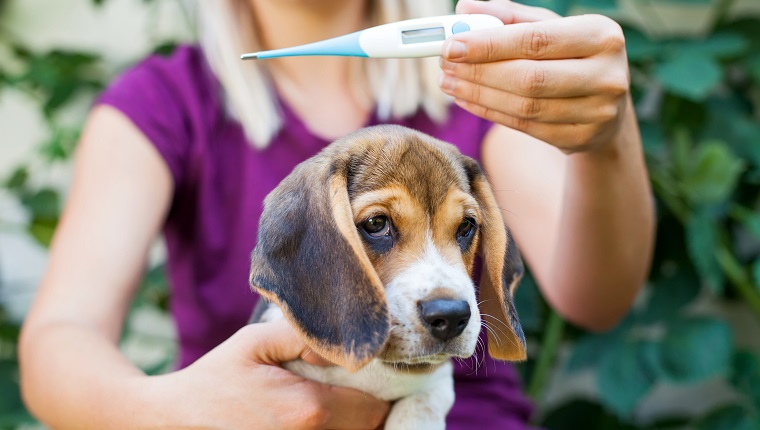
{"type": "Point", "coordinates": [182, 74]}
{"type": "Point", "coordinates": [173, 99]}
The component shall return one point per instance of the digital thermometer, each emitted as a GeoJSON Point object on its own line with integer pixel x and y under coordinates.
{"type": "Point", "coordinates": [421, 37]}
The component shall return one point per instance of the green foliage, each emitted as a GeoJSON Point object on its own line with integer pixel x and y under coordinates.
{"type": "Point", "coordinates": [53, 79]}
{"type": "Point", "coordinates": [733, 417]}
{"type": "Point", "coordinates": [699, 101]}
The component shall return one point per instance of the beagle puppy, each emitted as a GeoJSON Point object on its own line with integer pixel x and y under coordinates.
{"type": "Point", "coordinates": [368, 249]}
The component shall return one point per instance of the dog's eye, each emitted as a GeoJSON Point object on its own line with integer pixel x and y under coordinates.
{"type": "Point", "coordinates": [466, 228]}
{"type": "Point", "coordinates": [377, 226]}
{"type": "Point", "coordinates": [465, 233]}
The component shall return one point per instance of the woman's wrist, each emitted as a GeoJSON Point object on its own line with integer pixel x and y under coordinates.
{"type": "Point", "coordinates": [622, 146]}
{"type": "Point", "coordinates": [153, 402]}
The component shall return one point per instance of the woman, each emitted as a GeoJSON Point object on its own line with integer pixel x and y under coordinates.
{"type": "Point", "coordinates": [191, 145]}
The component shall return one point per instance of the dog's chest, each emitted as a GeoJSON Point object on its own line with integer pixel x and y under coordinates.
{"type": "Point", "coordinates": [376, 378]}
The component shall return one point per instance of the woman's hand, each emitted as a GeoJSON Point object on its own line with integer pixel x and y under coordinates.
{"type": "Point", "coordinates": [561, 80]}
{"type": "Point", "coordinates": [240, 384]}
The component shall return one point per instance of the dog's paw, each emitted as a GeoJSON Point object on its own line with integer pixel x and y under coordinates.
{"type": "Point", "coordinates": [423, 411]}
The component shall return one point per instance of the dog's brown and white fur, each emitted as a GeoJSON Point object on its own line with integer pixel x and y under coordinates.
{"type": "Point", "coordinates": [368, 250]}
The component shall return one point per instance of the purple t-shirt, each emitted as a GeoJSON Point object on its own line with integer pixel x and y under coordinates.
{"type": "Point", "coordinates": [220, 184]}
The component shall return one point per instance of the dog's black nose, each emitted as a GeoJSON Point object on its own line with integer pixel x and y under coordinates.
{"type": "Point", "coordinates": [445, 318]}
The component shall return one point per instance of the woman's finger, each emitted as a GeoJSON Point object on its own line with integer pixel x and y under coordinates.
{"type": "Point", "coordinates": [543, 79]}
{"type": "Point", "coordinates": [583, 110]}
{"type": "Point", "coordinates": [567, 137]}
{"type": "Point", "coordinates": [351, 409]}
{"type": "Point", "coordinates": [572, 37]}
{"type": "Point", "coordinates": [508, 12]}
{"type": "Point", "coordinates": [270, 343]}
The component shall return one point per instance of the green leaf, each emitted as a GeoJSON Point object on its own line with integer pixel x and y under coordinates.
{"type": "Point", "coordinates": [749, 219]}
{"type": "Point", "coordinates": [640, 47]}
{"type": "Point", "coordinates": [583, 414]}
{"type": "Point", "coordinates": [529, 305]}
{"type": "Point", "coordinates": [652, 138]}
{"type": "Point", "coordinates": [701, 242]}
{"type": "Point", "coordinates": [730, 120]}
{"type": "Point", "coordinates": [59, 75]}
{"type": "Point", "coordinates": [681, 152]}
{"type": "Point", "coordinates": [165, 49]}
{"type": "Point", "coordinates": [711, 174]}
{"type": "Point", "coordinates": [753, 67]}
{"type": "Point", "coordinates": [670, 293]}
{"type": "Point", "coordinates": [688, 2]}
{"type": "Point", "coordinates": [61, 145]}
{"type": "Point", "coordinates": [718, 45]}
{"type": "Point", "coordinates": [42, 230]}
{"type": "Point", "coordinates": [624, 377]}
{"type": "Point", "coordinates": [695, 349]}
{"type": "Point", "coordinates": [10, 398]}
{"type": "Point", "coordinates": [597, 4]}
{"type": "Point", "coordinates": [689, 74]}
{"type": "Point", "coordinates": [44, 203]}
{"type": "Point", "coordinates": [733, 417]}
{"type": "Point", "coordinates": [756, 273]}
{"type": "Point", "coordinates": [589, 350]}
{"type": "Point", "coordinates": [745, 376]}
{"type": "Point", "coordinates": [17, 180]}
{"type": "Point", "coordinates": [559, 6]}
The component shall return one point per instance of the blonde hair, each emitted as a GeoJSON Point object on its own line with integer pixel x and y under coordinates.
{"type": "Point", "coordinates": [399, 87]}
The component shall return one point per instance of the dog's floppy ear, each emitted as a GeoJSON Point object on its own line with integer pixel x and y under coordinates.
{"type": "Point", "coordinates": [502, 270]}
{"type": "Point", "coordinates": [309, 259]}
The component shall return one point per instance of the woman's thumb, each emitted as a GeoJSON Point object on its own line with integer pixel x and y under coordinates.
{"type": "Point", "coordinates": [271, 343]}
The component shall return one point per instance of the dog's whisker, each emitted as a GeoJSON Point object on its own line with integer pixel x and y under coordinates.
{"type": "Point", "coordinates": [490, 325]}
{"type": "Point", "coordinates": [509, 338]}
{"type": "Point", "coordinates": [502, 323]}
{"type": "Point", "coordinates": [493, 333]}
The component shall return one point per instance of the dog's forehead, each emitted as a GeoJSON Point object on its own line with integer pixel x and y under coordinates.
{"type": "Point", "coordinates": [426, 167]}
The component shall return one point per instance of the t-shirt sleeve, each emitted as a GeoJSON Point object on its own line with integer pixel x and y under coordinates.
{"type": "Point", "coordinates": [150, 95]}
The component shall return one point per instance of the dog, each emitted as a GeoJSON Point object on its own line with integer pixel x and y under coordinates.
{"type": "Point", "coordinates": [368, 249]}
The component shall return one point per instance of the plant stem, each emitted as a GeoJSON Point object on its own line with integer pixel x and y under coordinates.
{"type": "Point", "coordinates": [555, 326]}
{"type": "Point", "coordinates": [739, 279]}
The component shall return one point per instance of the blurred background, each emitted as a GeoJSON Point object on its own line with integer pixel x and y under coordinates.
{"type": "Point", "coordinates": [686, 357]}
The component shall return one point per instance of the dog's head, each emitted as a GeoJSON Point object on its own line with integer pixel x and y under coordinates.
{"type": "Point", "coordinates": [368, 248]}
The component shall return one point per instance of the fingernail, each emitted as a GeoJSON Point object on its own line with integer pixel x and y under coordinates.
{"type": "Point", "coordinates": [446, 82]}
{"type": "Point", "coordinates": [455, 49]}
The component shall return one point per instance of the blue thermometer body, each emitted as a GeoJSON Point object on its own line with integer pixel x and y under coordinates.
{"type": "Point", "coordinates": [421, 37]}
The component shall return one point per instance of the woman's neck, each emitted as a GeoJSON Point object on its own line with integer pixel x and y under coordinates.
{"type": "Point", "coordinates": [284, 23]}
{"type": "Point", "coordinates": [323, 91]}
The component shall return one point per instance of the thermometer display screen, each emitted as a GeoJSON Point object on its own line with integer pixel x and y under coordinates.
{"type": "Point", "coordinates": [422, 35]}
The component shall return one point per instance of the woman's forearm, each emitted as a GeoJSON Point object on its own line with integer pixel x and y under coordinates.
{"type": "Point", "coordinates": [72, 376]}
{"type": "Point", "coordinates": [584, 222]}
{"type": "Point", "coordinates": [606, 224]}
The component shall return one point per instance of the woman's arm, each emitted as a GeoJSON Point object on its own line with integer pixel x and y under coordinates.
{"type": "Point", "coordinates": [584, 222]}
{"type": "Point", "coordinates": [580, 207]}
{"type": "Point", "coordinates": [73, 374]}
